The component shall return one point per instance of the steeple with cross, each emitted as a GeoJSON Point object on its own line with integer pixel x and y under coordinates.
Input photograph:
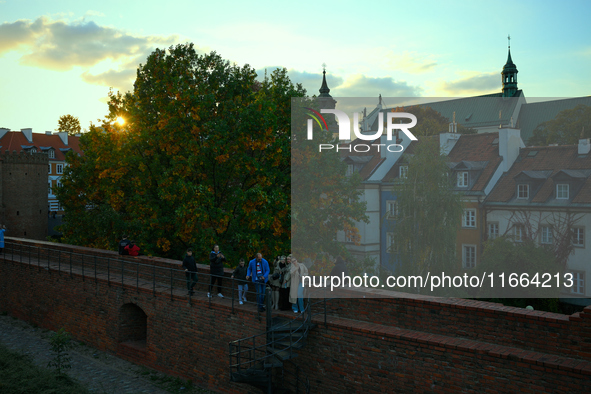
{"type": "Point", "coordinates": [509, 74]}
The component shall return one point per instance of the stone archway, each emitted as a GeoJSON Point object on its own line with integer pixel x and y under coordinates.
{"type": "Point", "coordinates": [133, 325]}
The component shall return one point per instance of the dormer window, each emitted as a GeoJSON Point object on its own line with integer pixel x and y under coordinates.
{"type": "Point", "coordinates": [562, 191]}
{"type": "Point", "coordinates": [350, 169]}
{"type": "Point", "coordinates": [462, 179]}
{"type": "Point", "coordinates": [403, 172]}
{"type": "Point", "coordinates": [523, 191]}
{"type": "Point", "coordinates": [51, 154]}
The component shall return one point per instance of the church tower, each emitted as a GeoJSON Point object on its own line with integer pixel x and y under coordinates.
{"type": "Point", "coordinates": [509, 75]}
{"type": "Point", "coordinates": [325, 99]}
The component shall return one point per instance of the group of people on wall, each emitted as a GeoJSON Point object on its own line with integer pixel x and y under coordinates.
{"type": "Point", "coordinates": [286, 273]}
{"type": "Point", "coordinates": [284, 280]}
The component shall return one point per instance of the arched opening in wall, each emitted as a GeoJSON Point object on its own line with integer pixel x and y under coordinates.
{"type": "Point", "coordinates": [133, 327]}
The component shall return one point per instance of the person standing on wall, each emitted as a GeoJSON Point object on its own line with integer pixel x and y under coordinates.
{"type": "Point", "coordinates": [216, 269]}
{"type": "Point", "coordinates": [190, 267]}
{"type": "Point", "coordinates": [122, 244]}
{"type": "Point", "coordinates": [258, 270]}
{"type": "Point", "coordinates": [296, 293]}
{"type": "Point", "coordinates": [2, 231]}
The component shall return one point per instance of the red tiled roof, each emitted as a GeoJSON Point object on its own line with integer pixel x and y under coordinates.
{"type": "Point", "coordinates": [14, 140]}
{"type": "Point", "coordinates": [548, 158]}
{"type": "Point", "coordinates": [372, 164]}
{"type": "Point", "coordinates": [478, 147]}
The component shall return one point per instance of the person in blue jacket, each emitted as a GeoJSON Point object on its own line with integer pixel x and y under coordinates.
{"type": "Point", "coordinates": [258, 270]}
{"type": "Point", "coordinates": [2, 231]}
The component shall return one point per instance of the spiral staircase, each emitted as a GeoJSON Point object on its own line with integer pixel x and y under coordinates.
{"type": "Point", "coordinates": [266, 360]}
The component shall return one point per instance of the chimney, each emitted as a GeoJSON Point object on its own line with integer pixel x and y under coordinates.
{"type": "Point", "coordinates": [3, 131]}
{"type": "Point", "coordinates": [28, 133]}
{"type": "Point", "coordinates": [584, 146]}
{"type": "Point", "coordinates": [48, 133]}
{"type": "Point", "coordinates": [447, 141]}
{"type": "Point", "coordinates": [64, 137]}
{"type": "Point", "coordinates": [509, 145]}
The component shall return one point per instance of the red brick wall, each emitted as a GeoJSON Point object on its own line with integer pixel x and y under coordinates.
{"type": "Point", "coordinates": [378, 345]}
{"type": "Point", "coordinates": [24, 194]}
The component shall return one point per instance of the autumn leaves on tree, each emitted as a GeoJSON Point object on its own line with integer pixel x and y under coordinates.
{"type": "Point", "coordinates": [203, 157]}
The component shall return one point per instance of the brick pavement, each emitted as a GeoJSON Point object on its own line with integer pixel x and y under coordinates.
{"type": "Point", "coordinates": [97, 370]}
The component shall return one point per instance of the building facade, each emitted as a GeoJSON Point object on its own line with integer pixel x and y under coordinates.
{"type": "Point", "coordinates": [55, 146]}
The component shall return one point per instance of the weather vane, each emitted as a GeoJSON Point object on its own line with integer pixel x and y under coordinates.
{"type": "Point", "coordinates": [509, 38]}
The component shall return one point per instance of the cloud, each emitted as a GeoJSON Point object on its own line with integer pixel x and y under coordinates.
{"type": "Point", "coordinates": [60, 45]}
{"type": "Point", "coordinates": [476, 84]}
{"type": "Point", "coordinates": [93, 13]}
{"type": "Point", "coordinates": [121, 80]}
{"type": "Point", "coordinates": [412, 62]}
{"type": "Point", "coordinates": [362, 86]}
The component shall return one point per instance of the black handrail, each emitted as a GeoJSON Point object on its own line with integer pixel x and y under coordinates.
{"type": "Point", "coordinates": [129, 269]}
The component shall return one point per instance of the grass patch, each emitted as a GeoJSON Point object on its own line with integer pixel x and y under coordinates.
{"type": "Point", "coordinates": [18, 374]}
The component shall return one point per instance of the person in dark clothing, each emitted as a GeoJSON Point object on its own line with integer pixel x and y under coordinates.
{"type": "Point", "coordinates": [216, 269]}
{"type": "Point", "coordinates": [132, 249]}
{"type": "Point", "coordinates": [240, 274]}
{"type": "Point", "coordinates": [340, 268]}
{"type": "Point", "coordinates": [190, 267]}
{"type": "Point", "coordinates": [122, 244]}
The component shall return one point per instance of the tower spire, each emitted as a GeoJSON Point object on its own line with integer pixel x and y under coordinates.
{"type": "Point", "coordinates": [509, 73]}
{"type": "Point", "coordinates": [324, 90]}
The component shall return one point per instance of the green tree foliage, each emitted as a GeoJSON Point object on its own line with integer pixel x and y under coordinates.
{"type": "Point", "coordinates": [505, 256]}
{"type": "Point", "coordinates": [429, 213]}
{"type": "Point", "coordinates": [565, 129]}
{"type": "Point", "coordinates": [324, 200]}
{"type": "Point", "coordinates": [203, 157]}
{"type": "Point", "coordinates": [69, 124]}
{"type": "Point", "coordinates": [60, 343]}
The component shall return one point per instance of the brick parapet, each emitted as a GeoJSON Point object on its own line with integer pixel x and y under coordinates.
{"type": "Point", "coordinates": [368, 352]}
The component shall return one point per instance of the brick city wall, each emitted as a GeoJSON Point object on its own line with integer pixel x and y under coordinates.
{"type": "Point", "coordinates": [371, 345]}
{"type": "Point", "coordinates": [23, 194]}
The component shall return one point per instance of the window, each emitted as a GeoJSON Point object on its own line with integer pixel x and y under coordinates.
{"type": "Point", "coordinates": [391, 246]}
{"type": "Point", "coordinates": [463, 179]}
{"type": "Point", "coordinates": [349, 170]}
{"type": "Point", "coordinates": [51, 154]}
{"type": "Point", "coordinates": [523, 191]}
{"type": "Point", "coordinates": [49, 188]}
{"type": "Point", "coordinates": [562, 191]}
{"type": "Point", "coordinates": [578, 286]}
{"type": "Point", "coordinates": [49, 170]}
{"type": "Point", "coordinates": [391, 209]}
{"type": "Point", "coordinates": [493, 230]}
{"type": "Point", "coordinates": [518, 232]}
{"type": "Point", "coordinates": [469, 256]}
{"type": "Point", "coordinates": [579, 237]}
{"type": "Point", "coordinates": [403, 172]}
{"type": "Point", "coordinates": [469, 218]}
{"type": "Point", "coordinates": [59, 168]}
{"type": "Point", "coordinates": [546, 235]}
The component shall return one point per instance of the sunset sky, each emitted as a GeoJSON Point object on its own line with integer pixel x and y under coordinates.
{"type": "Point", "coordinates": [60, 57]}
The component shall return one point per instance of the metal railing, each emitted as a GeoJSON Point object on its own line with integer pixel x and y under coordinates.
{"type": "Point", "coordinates": [125, 271]}
{"type": "Point", "coordinates": [260, 352]}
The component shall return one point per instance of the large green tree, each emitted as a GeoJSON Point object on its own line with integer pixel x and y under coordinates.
{"type": "Point", "coordinates": [203, 158]}
{"type": "Point", "coordinates": [566, 129]}
{"type": "Point", "coordinates": [429, 214]}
